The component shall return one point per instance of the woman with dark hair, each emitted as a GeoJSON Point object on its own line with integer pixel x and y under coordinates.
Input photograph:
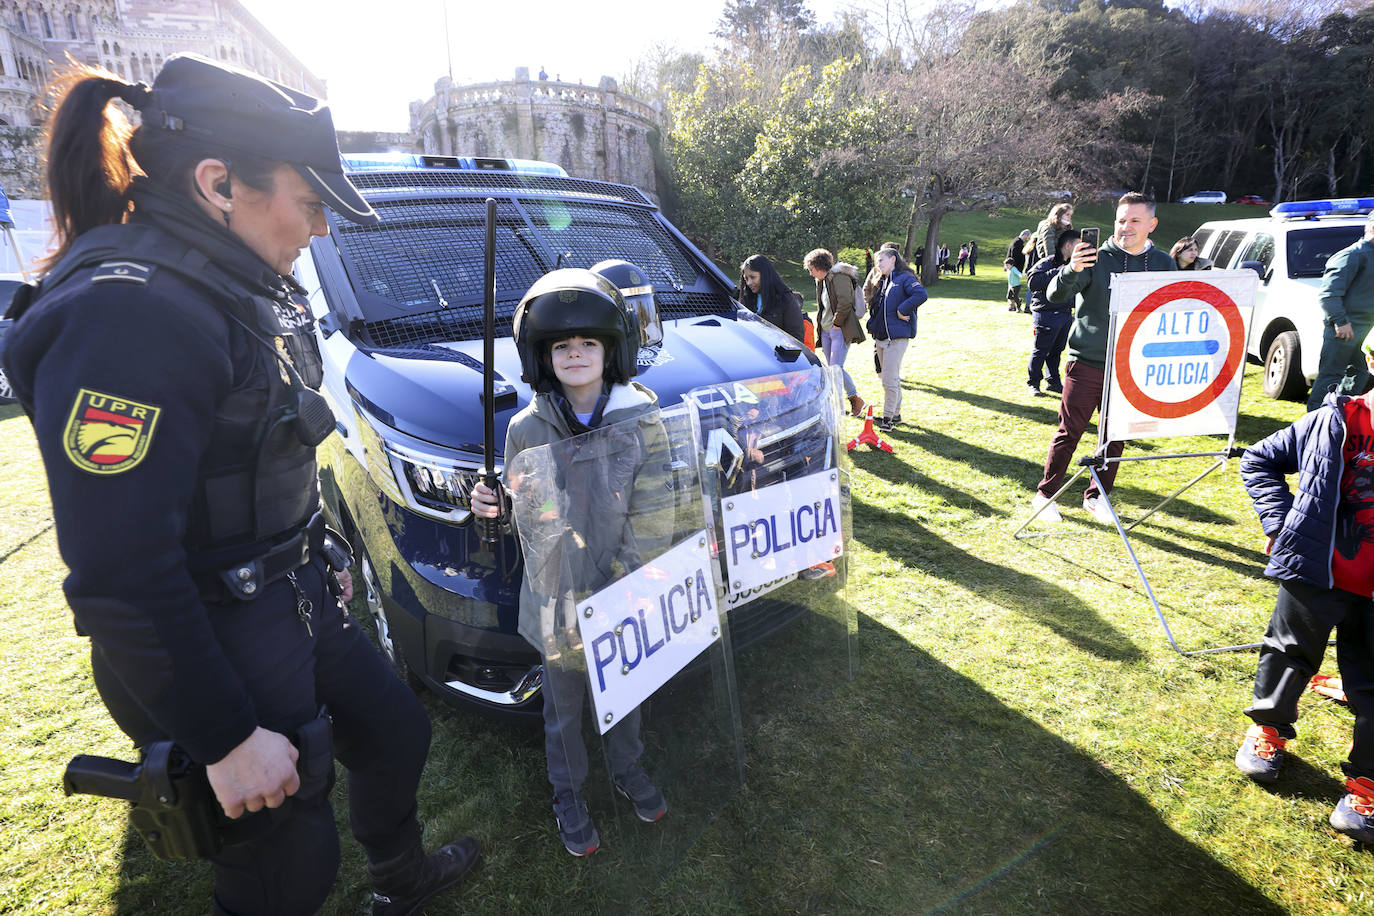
{"type": "Point", "coordinates": [1185, 255]}
{"type": "Point", "coordinates": [892, 324]}
{"type": "Point", "coordinates": [168, 365]}
{"type": "Point", "coordinates": [763, 292]}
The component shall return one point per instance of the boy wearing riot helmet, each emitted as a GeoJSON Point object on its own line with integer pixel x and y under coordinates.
{"type": "Point", "coordinates": [167, 365]}
{"type": "Point", "coordinates": [578, 339]}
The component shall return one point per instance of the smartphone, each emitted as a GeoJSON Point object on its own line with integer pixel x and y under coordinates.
{"type": "Point", "coordinates": [1090, 236]}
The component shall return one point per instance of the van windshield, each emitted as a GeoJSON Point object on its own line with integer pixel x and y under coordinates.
{"type": "Point", "coordinates": [1309, 249]}
{"type": "Point", "coordinates": [418, 273]}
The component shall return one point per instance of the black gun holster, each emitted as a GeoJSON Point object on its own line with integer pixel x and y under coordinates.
{"type": "Point", "coordinates": [175, 810]}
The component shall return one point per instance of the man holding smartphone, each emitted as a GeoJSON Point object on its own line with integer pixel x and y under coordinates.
{"type": "Point", "coordinates": [1088, 277]}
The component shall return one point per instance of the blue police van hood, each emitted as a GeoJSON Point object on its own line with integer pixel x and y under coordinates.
{"type": "Point", "coordinates": [434, 391]}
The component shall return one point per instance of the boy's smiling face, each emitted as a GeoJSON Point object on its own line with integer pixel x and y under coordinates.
{"type": "Point", "coordinates": [578, 363]}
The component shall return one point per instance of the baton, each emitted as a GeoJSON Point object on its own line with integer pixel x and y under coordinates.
{"type": "Point", "coordinates": [489, 529]}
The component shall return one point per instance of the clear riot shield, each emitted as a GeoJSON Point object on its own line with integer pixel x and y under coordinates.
{"type": "Point", "coordinates": [777, 480]}
{"type": "Point", "coordinates": [620, 596]}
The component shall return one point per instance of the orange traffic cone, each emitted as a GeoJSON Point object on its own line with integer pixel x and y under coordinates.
{"type": "Point", "coordinates": [1328, 686]}
{"type": "Point", "coordinates": [869, 436]}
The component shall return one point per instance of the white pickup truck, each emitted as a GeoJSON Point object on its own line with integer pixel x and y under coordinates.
{"type": "Point", "coordinates": [1289, 249]}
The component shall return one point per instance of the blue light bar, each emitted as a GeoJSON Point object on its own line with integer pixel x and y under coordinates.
{"type": "Point", "coordinates": [364, 162]}
{"type": "Point", "coordinates": [1307, 209]}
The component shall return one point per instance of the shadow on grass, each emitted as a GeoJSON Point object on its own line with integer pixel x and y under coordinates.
{"type": "Point", "coordinates": [891, 468]}
{"type": "Point", "coordinates": [989, 461]}
{"type": "Point", "coordinates": [1251, 429]}
{"type": "Point", "coordinates": [1301, 779]}
{"type": "Point", "coordinates": [1036, 599]}
{"type": "Point", "coordinates": [947, 801]}
{"type": "Point", "coordinates": [1181, 507]}
{"type": "Point", "coordinates": [912, 789]}
{"type": "Point", "coordinates": [1038, 413]}
{"type": "Point", "coordinates": [27, 541]}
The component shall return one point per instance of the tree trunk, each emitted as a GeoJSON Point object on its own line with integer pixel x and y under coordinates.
{"type": "Point", "coordinates": [912, 218]}
{"type": "Point", "coordinates": [930, 270]}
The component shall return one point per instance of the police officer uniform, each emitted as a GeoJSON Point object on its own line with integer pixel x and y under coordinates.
{"type": "Point", "coordinates": [168, 370]}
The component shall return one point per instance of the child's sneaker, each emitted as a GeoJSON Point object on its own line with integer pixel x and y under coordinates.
{"type": "Point", "coordinates": [648, 802]}
{"type": "Point", "coordinates": [1261, 754]}
{"type": "Point", "coordinates": [1354, 815]}
{"type": "Point", "coordinates": [575, 824]}
{"type": "Point", "coordinates": [821, 570]}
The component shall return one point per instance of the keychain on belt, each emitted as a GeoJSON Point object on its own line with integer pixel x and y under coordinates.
{"type": "Point", "coordinates": [303, 604]}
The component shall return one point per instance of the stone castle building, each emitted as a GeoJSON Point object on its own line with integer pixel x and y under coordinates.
{"type": "Point", "coordinates": [593, 132]}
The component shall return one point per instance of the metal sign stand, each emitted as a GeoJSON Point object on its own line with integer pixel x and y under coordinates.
{"type": "Point", "coordinates": [1091, 464]}
{"type": "Point", "coordinates": [1098, 461]}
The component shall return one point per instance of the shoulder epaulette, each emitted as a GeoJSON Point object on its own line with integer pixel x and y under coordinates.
{"type": "Point", "coordinates": [122, 272]}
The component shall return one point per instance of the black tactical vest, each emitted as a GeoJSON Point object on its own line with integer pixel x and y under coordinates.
{"type": "Point", "coordinates": [257, 480]}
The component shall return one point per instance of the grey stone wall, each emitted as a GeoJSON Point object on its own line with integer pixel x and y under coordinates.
{"type": "Point", "coordinates": [21, 163]}
{"type": "Point", "coordinates": [593, 132]}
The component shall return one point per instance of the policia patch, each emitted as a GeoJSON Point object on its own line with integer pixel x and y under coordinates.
{"type": "Point", "coordinates": [107, 434]}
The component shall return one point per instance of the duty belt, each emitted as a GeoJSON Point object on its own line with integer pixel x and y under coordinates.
{"type": "Point", "coordinates": [245, 580]}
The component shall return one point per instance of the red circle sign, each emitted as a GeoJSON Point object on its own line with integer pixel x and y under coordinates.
{"type": "Point", "coordinates": [1183, 289]}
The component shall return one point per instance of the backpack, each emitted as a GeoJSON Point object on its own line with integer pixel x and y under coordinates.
{"type": "Point", "coordinates": [852, 272]}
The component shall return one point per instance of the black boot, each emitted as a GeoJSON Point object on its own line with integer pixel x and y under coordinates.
{"type": "Point", "coordinates": [400, 886]}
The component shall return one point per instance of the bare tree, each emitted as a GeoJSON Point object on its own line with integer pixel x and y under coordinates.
{"type": "Point", "coordinates": [914, 34]}
{"type": "Point", "coordinates": [975, 134]}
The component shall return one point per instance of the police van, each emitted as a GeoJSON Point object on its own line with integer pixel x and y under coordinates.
{"type": "Point", "coordinates": [399, 312]}
{"type": "Point", "coordinates": [1289, 250]}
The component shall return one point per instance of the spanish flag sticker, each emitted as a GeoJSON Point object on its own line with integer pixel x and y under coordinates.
{"type": "Point", "coordinates": [107, 434]}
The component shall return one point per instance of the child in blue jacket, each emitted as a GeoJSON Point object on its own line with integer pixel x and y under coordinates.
{"type": "Point", "coordinates": [1321, 550]}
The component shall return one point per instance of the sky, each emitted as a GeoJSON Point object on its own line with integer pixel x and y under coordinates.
{"type": "Point", "coordinates": [376, 64]}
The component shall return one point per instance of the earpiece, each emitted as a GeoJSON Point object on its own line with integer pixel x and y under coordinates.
{"type": "Point", "coordinates": [224, 189]}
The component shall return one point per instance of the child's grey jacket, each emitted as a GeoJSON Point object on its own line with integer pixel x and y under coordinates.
{"type": "Point", "coordinates": [610, 506]}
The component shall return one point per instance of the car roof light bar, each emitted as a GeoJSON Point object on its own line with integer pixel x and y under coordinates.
{"type": "Point", "coordinates": [1309, 209]}
{"type": "Point", "coordinates": [367, 162]}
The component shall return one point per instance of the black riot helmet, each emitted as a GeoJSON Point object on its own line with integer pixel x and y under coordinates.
{"type": "Point", "coordinates": [634, 285]}
{"type": "Point", "coordinates": [575, 302]}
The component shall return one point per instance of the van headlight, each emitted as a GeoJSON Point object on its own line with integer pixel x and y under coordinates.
{"type": "Point", "coordinates": [430, 481]}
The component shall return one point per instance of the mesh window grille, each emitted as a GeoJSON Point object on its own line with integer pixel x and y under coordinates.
{"type": "Point", "coordinates": [426, 255]}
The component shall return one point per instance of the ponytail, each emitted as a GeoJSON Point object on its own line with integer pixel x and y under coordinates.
{"type": "Point", "coordinates": [89, 166]}
{"type": "Point", "coordinates": [94, 154]}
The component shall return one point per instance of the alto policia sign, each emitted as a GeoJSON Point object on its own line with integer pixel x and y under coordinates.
{"type": "Point", "coordinates": [1177, 353]}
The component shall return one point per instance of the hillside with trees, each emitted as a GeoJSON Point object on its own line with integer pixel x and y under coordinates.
{"type": "Point", "coordinates": [794, 133]}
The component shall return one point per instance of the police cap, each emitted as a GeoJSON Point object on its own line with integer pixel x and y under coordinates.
{"type": "Point", "coordinates": [240, 110]}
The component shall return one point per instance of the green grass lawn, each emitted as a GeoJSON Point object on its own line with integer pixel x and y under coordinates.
{"type": "Point", "coordinates": [1020, 737]}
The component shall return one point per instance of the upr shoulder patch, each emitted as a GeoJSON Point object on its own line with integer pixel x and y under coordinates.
{"type": "Point", "coordinates": [122, 272]}
{"type": "Point", "coordinates": [107, 434]}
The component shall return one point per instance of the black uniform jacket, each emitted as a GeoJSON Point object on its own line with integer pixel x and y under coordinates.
{"type": "Point", "coordinates": [122, 368]}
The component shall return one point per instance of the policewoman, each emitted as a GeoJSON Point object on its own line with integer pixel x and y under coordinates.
{"type": "Point", "coordinates": [168, 367]}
